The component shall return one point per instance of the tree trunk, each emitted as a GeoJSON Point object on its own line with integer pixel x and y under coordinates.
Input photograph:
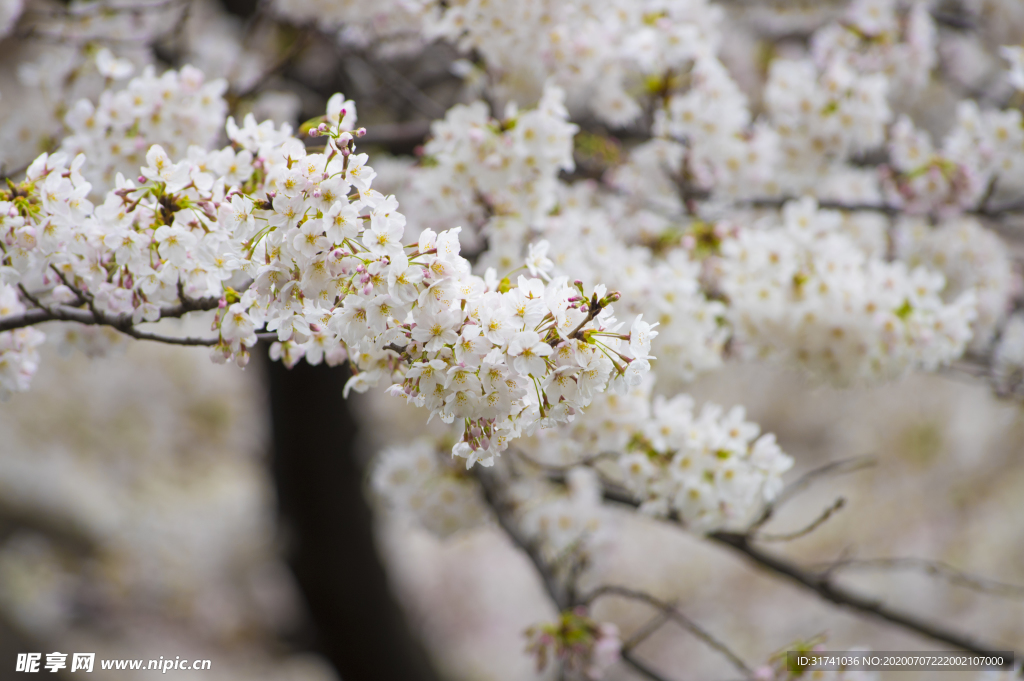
{"type": "Point", "coordinates": [359, 625]}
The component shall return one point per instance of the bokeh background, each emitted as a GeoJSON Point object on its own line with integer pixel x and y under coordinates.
{"type": "Point", "coordinates": [139, 512]}
{"type": "Point", "coordinates": [139, 520]}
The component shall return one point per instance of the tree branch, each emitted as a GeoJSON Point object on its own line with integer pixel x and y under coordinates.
{"type": "Point", "coordinates": [675, 615]}
{"type": "Point", "coordinates": [806, 480]}
{"type": "Point", "coordinates": [815, 524]}
{"type": "Point", "coordinates": [934, 568]}
{"type": "Point", "coordinates": [391, 135]}
{"type": "Point", "coordinates": [503, 512]}
{"type": "Point", "coordinates": [121, 322]}
{"type": "Point", "coordinates": [629, 658]}
{"type": "Point", "coordinates": [823, 585]}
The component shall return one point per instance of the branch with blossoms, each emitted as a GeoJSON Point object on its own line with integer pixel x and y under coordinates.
{"type": "Point", "coordinates": [820, 582]}
{"type": "Point", "coordinates": [668, 612]}
{"type": "Point", "coordinates": [823, 584]}
{"type": "Point", "coordinates": [712, 473]}
{"type": "Point", "coordinates": [579, 642]}
{"type": "Point", "coordinates": [275, 239]}
{"type": "Point", "coordinates": [125, 323]}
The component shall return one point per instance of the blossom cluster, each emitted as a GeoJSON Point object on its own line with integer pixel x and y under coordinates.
{"type": "Point", "coordinates": [580, 643]}
{"type": "Point", "coordinates": [502, 175]}
{"type": "Point", "coordinates": [421, 482]}
{"type": "Point", "coordinates": [715, 141]}
{"type": "Point", "coordinates": [711, 469]}
{"type": "Point", "coordinates": [879, 36]}
{"type": "Point", "coordinates": [19, 354]}
{"type": "Point", "coordinates": [1008, 357]}
{"type": "Point", "coordinates": [803, 292]}
{"type": "Point", "coordinates": [176, 110]}
{"type": "Point", "coordinates": [499, 175]}
{"type": "Point", "coordinates": [417, 481]}
{"type": "Point", "coordinates": [601, 53]}
{"type": "Point", "coordinates": [823, 114]}
{"type": "Point", "coordinates": [299, 244]}
{"type": "Point", "coordinates": [564, 521]}
{"type": "Point", "coordinates": [819, 291]}
{"type": "Point", "coordinates": [971, 258]}
{"type": "Point", "coordinates": [389, 27]}
{"type": "Point", "coordinates": [691, 226]}
{"type": "Point", "coordinates": [590, 237]}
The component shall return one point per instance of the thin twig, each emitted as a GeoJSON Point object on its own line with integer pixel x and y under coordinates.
{"type": "Point", "coordinates": [390, 135]}
{"type": "Point", "coordinates": [629, 658]}
{"type": "Point", "coordinates": [815, 524]}
{"type": "Point", "coordinates": [300, 43]}
{"type": "Point", "coordinates": [840, 467]}
{"type": "Point", "coordinates": [645, 631]}
{"type": "Point", "coordinates": [502, 511]}
{"type": "Point", "coordinates": [402, 86]}
{"type": "Point", "coordinates": [827, 589]}
{"type": "Point", "coordinates": [933, 568]}
{"type": "Point", "coordinates": [675, 615]}
{"type": "Point", "coordinates": [562, 468]}
{"type": "Point", "coordinates": [824, 587]}
{"type": "Point", "coordinates": [121, 322]}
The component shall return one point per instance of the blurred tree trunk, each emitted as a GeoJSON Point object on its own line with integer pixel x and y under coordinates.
{"type": "Point", "coordinates": [359, 625]}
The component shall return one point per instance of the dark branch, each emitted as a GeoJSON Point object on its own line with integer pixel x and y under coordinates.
{"type": "Point", "coordinates": [645, 631]}
{"type": "Point", "coordinates": [675, 615]}
{"type": "Point", "coordinates": [121, 322]}
{"type": "Point", "coordinates": [294, 50]}
{"type": "Point", "coordinates": [503, 512]}
{"type": "Point", "coordinates": [823, 585]}
{"type": "Point", "coordinates": [629, 658]}
{"type": "Point", "coordinates": [401, 135]}
{"type": "Point", "coordinates": [815, 524]}
{"type": "Point", "coordinates": [807, 479]}
{"type": "Point", "coordinates": [931, 567]}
